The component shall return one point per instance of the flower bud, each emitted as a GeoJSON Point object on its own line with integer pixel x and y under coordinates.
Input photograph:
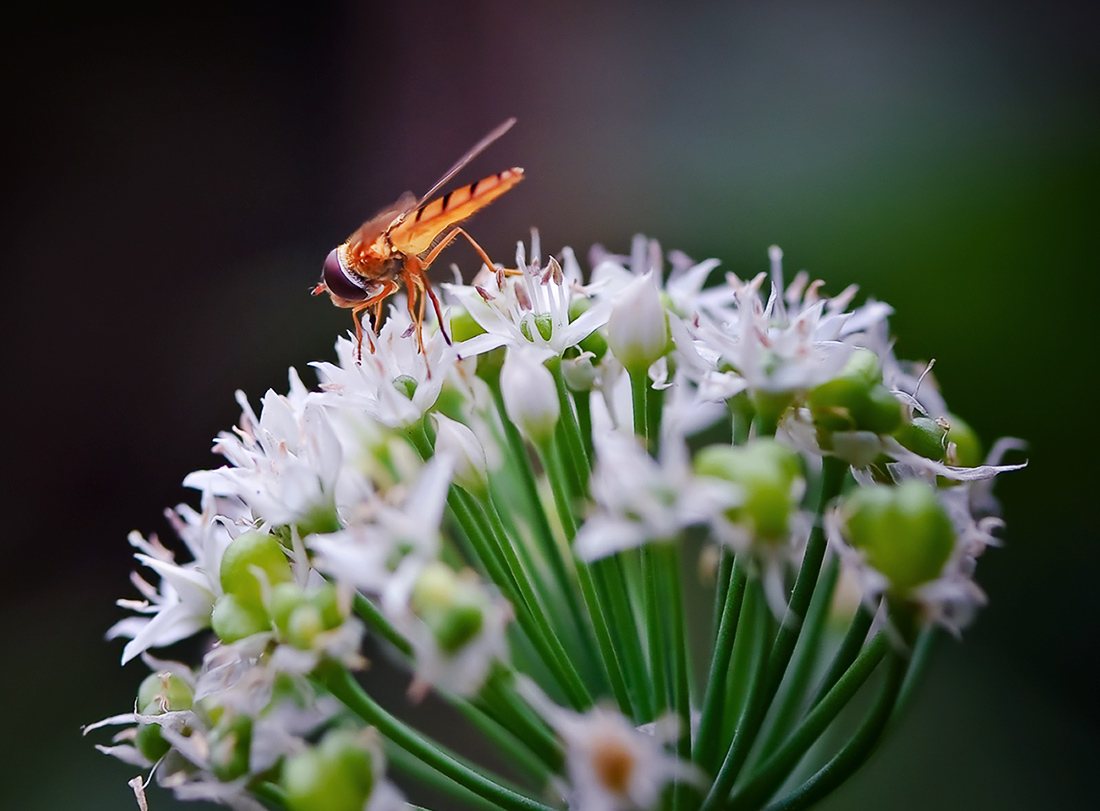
{"type": "Point", "coordinates": [967, 445]}
{"type": "Point", "coordinates": [234, 619]}
{"type": "Point", "coordinates": [452, 607]}
{"type": "Point", "coordinates": [250, 558]}
{"type": "Point", "coordinates": [769, 477]}
{"type": "Point", "coordinates": [164, 692]}
{"type": "Point", "coordinates": [464, 326]}
{"type": "Point", "coordinates": [924, 436]}
{"type": "Point", "coordinates": [159, 693]}
{"type": "Point", "coordinates": [856, 400]}
{"type": "Point", "coordinates": [335, 775]}
{"type": "Point", "coordinates": [637, 330]}
{"type": "Point", "coordinates": [458, 441]}
{"type": "Point", "coordinates": [904, 532]}
{"type": "Point", "coordinates": [530, 395]}
{"type": "Point", "coordinates": [230, 746]}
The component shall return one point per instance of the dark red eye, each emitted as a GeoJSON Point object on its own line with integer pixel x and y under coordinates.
{"type": "Point", "coordinates": [341, 282]}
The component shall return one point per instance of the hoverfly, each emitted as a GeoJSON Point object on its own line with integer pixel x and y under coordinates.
{"type": "Point", "coordinates": [399, 244]}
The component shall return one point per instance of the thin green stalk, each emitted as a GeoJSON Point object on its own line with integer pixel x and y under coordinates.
{"type": "Point", "coordinates": [639, 383]}
{"type": "Point", "coordinates": [922, 651]}
{"type": "Point", "coordinates": [500, 698]}
{"type": "Point", "coordinates": [833, 471]}
{"type": "Point", "coordinates": [747, 670]}
{"type": "Point", "coordinates": [710, 723]}
{"type": "Point", "coordinates": [609, 577]}
{"type": "Point", "coordinates": [570, 429]}
{"type": "Point", "coordinates": [272, 794]}
{"type": "Point", "coordinates": [793, 688]}
{"type": "Point", "coordinates": [508, 741]}
{"type": "Point", "coordinates": [530, 614]}
{"type": "Point", "coordinates": [340, 682]}
{"type": "Point", "coordinates": [423, 775]}
{"type": "Point", "coordinates": [582, 402]}
{"type": "Point", "coordinates": [379, 624]}
{"type": "Point", "coordinates": [770, 776]}
{"type": "Point", "coordinates": [543, 532]}
{"type": "Point", "coordinates": [856, 751]}
{"type": "Point", "coordinates": [679, 654]}
{"type": "Point", "coordinates": [847, 652]}
{"type": "Point", "coordinates": [722, 579]}
{"type": "Point", "coordinates": [656, 634]}
{"type": "Point", "coordinates": [593, 598]}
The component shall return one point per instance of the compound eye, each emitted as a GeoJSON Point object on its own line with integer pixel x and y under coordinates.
{"type": "Point", "coordinates": [339, 281]}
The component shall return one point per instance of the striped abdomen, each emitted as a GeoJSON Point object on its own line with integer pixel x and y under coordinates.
{"type": "Point", "coordinates": [416, 233]}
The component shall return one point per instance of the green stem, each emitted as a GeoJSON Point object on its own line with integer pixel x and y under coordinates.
{"type": "Point", "coordinates": [423, 775]}
{"type": "Point", "coordinates": [378, 623]}
{"type": "Point", "coordinates": [340, 682]}
{"type": "Point", "coordinates": [582, 401]}
{"type": "Point", "coordinates": [833, 471]}
{"type": "Point", "coordinates": [922, 651]}
{"type": "Point", "coordinates": [639, 383]}
{"type": "Point", "coordinates": [793, 688]}
{"type": "Point", "coordinates": [847, 652]}
{"type": "Point", "coordinates": [856, 751]}
{"type": "Point", "coordinates": [569, 428]}
{"type": "Point", "coordinates": [770, 776]}
{"type": "Point", "coordinates": [710, 723]}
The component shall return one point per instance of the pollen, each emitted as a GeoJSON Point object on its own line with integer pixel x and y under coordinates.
{"type": "Point", "coordinates": [614, 763]}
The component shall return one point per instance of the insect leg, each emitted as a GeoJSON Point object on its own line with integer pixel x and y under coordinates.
{"type": "Point", "coordinates": [447, 240]}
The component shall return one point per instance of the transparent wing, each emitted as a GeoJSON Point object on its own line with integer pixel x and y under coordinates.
{"type": "Point", "coordinates": [476, 150]}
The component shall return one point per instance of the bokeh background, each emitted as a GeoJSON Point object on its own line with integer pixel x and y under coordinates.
{"type": "Point", "coordinates": [175, 175]}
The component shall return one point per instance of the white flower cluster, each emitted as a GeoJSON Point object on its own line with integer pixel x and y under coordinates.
{"type": "Point", "coordinates": [513, 473]}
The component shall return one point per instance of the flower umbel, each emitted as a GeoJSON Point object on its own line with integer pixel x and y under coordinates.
{"type": "Point", "coordinates": [513, 522]}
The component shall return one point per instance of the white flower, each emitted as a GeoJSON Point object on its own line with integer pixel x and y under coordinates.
{"type": "Point", "coordinates": [641, 499]}
{"type": "Point", "coordinates": [285, 463]}
{"type": "Point", "coordinates": [637, 330]}
{"type": "Point", "coordinates": [794, 341]}
{"type": "Point", "coordinates": [530, 309]}
{"type": "Point", "coordinates": [530, 394]}
{"type": "Point", "coordinates": [182, 604]}
{"type": "Point", "coordinates": [395, 384]}
{"type": "Point", "coordinates": [610, 765]}
{"type": "Point", "coordinates": [367, 555]}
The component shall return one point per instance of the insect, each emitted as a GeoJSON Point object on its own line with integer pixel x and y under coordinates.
{"type": "Point", "coordinates": [399, 244]}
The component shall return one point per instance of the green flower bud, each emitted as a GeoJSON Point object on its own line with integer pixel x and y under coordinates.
{"type": "Point", "coordinates": [164, 692]}
{"type": "Point", "coordinates": [450, 606]}
{"type": "Point", "coordinates": [159, 693]}
{"type": "Point", "coordinates": [543, 323]}
{"type": "Point", "coordinates": [463, 326]}
{"type": "Point", "coordinates": [856, 400]}
{"type": "Point", "coordinates": [903, 531]}
{"type": "Point", "coordinates": [405, 384]}
{"type": "Point", "coordinates": [968, 447]}
{"type": "Point", "coordinates": [923, 436]}
{"type": "Point", "coordinates": [303, 626]}
{"type": "Point", "coordinates": [150, 742]}
{"type": "Point", "coordinates": [246, 554]}
{"type": "Point", "coordinates": [230, 745]}
{"type": "Point", "coordinates": [234, 619]}
{"type": "Point", "coordinates": [336, 775]}
{"type": "Point", "coordinates": [767, 474]}
{"type": "Point", "coordinates": [318, 521]}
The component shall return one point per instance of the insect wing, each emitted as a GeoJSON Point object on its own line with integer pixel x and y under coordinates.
{"type": "Point", "coordinates": [367, 233]}
{"type": "Point", "coordinates": [475, 150]}
{"type": "Point", "coordinates": [416, 232]}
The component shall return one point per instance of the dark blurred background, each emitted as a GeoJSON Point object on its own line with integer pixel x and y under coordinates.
{"type": "Point", "coordinates": [175, 176]}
